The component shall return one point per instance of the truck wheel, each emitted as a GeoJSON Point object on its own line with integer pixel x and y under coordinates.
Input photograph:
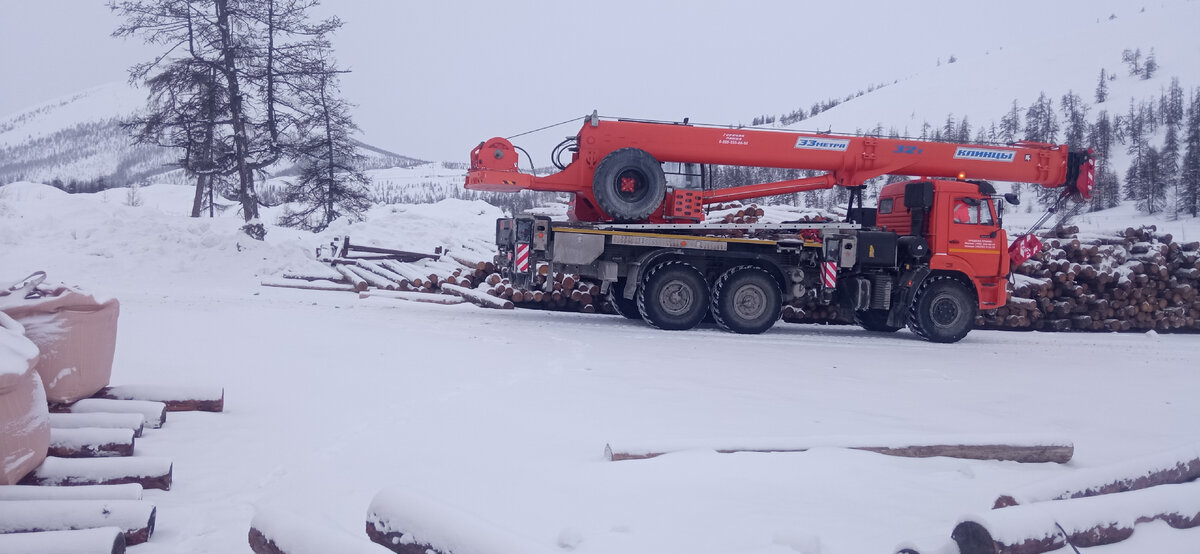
{"type": "Point", "coordinates": [746, 299]}
{"type": "Point", "coordinates": [626, 307]}
{"type": "Point", "coordinates": [875, 320]}
{"type": "Point", "coordinates": [943, 310]}
{"type": "Point", "coordinates": [674, 296]}
{"type": "Point", "coordinates": [629, 184]}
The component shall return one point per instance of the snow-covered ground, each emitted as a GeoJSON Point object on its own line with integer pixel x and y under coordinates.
{"type": "Point", "coordinates": [504, 415]}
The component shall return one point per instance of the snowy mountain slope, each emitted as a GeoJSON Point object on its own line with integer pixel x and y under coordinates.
{"type": "Point", "coordinates": [1067, 57]}
{"type": "Point", "coordinates": [79, 138]}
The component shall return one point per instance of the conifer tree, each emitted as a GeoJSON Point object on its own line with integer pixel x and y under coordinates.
{"type": "Point", "coordinates": [1189, 170]}
{"type": "Point", "coordinates": [258, 51]}
{"type": "Point", "coordinates": [1010, 124]}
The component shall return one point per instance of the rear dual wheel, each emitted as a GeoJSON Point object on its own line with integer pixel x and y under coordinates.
{"type": "Point", "coordinates": [746, 299]}
{"type": "Point", "coordinates": [673, 296]}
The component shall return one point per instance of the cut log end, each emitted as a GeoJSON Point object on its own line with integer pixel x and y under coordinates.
{"type": "Point", "coordinates": [394, 540]}
{"type": "Point", "coordinates": [260, 544]}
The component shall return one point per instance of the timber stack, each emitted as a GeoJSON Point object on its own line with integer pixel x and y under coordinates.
{"type": "Point", "coordinates": [565, 292]}
{"type": "Point", "coordinates": [1137, 281]}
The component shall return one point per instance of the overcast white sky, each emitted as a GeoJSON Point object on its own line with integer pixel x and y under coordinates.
{"type": "Point", "coordinates": [433, 78]}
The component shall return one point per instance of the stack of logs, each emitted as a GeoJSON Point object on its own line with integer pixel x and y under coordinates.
{"type": "Point", "coordinates": [457, 274]}
{"type": "Point", "coordinates": [748, 214]}
{"type": "Point", "coordinates": [1138, 281]}
{"type": "Point", "coordinates": [567, 292]}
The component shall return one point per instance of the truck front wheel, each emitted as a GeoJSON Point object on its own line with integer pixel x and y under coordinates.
{"type": "Point", "coordinates": [673, 296]}
{"type": "Point", "coordinates": [746, 300]}
{"type": "Point", "coordinates": [943, 310]}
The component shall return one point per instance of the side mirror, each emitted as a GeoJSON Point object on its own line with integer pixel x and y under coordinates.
{"type": "Point", "coordinates": [1012, 198]}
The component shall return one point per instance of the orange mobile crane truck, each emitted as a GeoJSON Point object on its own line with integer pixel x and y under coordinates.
{"type": "Point", "coordinates": [929, 256]}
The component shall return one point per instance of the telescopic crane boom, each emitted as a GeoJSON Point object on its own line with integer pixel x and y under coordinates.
{"type": "Point", "coordinates": [615, 173]}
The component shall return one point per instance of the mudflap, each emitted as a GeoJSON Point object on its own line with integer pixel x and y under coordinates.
{"type": "Point", "coordinates": [903, 295]}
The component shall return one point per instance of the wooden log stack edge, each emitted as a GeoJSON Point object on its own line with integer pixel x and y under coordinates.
{"type": "Point", "coordinates": [277, 532]}
{"type": "Point", "coordinates": [135, 518]}
{"type": "Point", "coordinates": [101, 540]}
{"type": "Point", "coordinates": [1048, 451]}
{"type": "Point", "coordinates": [176, 398]}
{"type": "Point", "coordinates": [1138, 281]}
{"type": "Point", "coordinates": [1172, 467]}
{"type": "Point", "coordinates": [150, 473]}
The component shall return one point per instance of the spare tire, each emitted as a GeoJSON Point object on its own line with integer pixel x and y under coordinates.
{"type": "Point", "coordinates": [629, 184]}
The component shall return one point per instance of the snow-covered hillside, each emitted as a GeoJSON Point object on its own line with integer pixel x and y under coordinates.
{"type": "Point", "coordinates": [79, 139]}
{"type": "Point", "coordinates": [1066, 57]}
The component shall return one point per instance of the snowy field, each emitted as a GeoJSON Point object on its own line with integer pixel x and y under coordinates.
{"type": "Point", "coordinates": [504, 415]}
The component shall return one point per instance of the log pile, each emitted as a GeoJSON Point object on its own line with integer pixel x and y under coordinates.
{"type": "Point", "coordinates": [559, 292]}
{"type": "Point", "coordinates": [454, 275]}
{"type": "Point", "coordinates": [86, 495]}
{"type": "Point", "coordinates": [1138, 281]}
{"type": "Point", "coordinates": [749, 214]}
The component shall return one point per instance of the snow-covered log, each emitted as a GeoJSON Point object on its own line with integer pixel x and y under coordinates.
{"type": "Point", "coordinates": [104, 420]}
{"type": "Point", "coordinates": [276, 532]}
{"type": "Point", "coordinates": [412, 274]}
{"type": "Point", "coordinates": [90, 443]}
{"type": "Point", "coordinates": [1084, 522]}
{"type": "Point", "coordinates": [150, 473]}
{"type": "Point", "coordinates": [358, 282]}
{"type": "Point", "coordinates": [426, 297]}
{"type": "Point", "coordinates": [101, 540]}
{"type": "Point", "coordinates": [312, 270]}
{"type": "Point", "coordinates": [177, 398]}
{"type": "Point", "coordinates": [472, 260]}
{"type": "Point", "coordinates": [479, 297]}
{"type": "Point", "coordinates": [135, 518]}
{"type": "Point", "coordinates": [308, 285]}
{"type": "Point", "coordinates": [1175, 466]}
{"type": "Point", "coordinates": [1015, 448]}
{"type": "Point", "coordinates": [154, 414]}
{"type": "Point", "coordinates": [127, 491]}
{"type": "Point", "coordinates": [372, 278]}
{"type": "Point", "coordinates": [376, 268]}
{"type": "Point", "coordinates": [407, 523]}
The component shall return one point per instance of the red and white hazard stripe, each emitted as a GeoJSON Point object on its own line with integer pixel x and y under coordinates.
{"type": "Point", "coordinates": [829, 274]}
{"type": "Point", "coordinates": [522, 257]}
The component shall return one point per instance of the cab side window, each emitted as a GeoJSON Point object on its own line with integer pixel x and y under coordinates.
{"type": "Point", "coordinates": [978, 214]}
{"type": "Point", "coordinates": [885, 206]}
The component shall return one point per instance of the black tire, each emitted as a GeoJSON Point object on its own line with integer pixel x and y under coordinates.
{"type": "Point", "coordinates": [746, 299]}
{"type": "Point", "coordinates": [944, 310]}
{"type": "Point", "coordinates": [629, 184]}
{"type": "Point", "coordinates": [875, 320]}
{"type": "Point", "coordinates": [627, 308]}
{"type": "Point", "coordinates": [673, 296]}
